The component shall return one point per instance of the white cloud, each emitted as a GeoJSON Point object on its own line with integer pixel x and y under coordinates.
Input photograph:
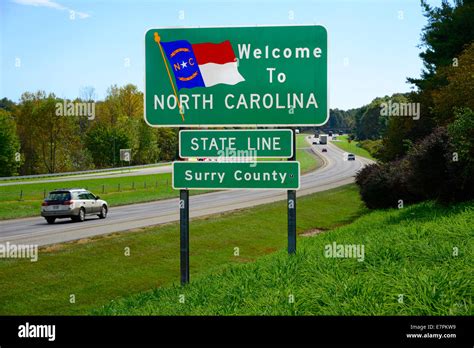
{"type": "Point", "coordinates": [51, 4]}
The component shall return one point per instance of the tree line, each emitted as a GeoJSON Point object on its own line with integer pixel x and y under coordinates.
{"type": "Point", "coordinates": [431, 156]}
{"type": "Point", "coordinates": [34, 139]}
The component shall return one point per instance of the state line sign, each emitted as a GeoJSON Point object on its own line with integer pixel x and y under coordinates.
{"type": "Point", "coordinates": [233, 175]}
{"type": "Point", "coordinates": [236, 144]}
{"type": "Point", "coordinates": [236, 76]}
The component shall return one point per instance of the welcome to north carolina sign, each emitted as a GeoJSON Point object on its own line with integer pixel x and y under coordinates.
{"type": "Point", "coordinates": [236, 76]}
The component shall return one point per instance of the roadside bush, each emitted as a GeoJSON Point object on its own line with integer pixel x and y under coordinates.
{"type": "Point", "coordinates": [430, 171]}
{"type": "Point", "coordinates": [462, 134]}
{"type": "Point", "coordinates": [383, 185]}
{"type": "Point", "coordinates": [433, 172]}
{"type": "Point", "coordinates": [372, 146]}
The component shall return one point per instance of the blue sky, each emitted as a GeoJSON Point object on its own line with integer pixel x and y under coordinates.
{"type": "Point", "coordinates": [373, 43]}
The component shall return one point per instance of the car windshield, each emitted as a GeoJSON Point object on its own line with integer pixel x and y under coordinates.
{"type": "Point", "coordinates": [58, 196]}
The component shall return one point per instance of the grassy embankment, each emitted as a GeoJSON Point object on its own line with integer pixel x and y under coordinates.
{"type": "Point", "coordinates": [417, 261]}
{"type": "Point", "coordinates": [98, 271]}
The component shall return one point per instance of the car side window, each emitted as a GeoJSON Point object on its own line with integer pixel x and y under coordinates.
{"type": "Point", "coordinates": [83, 196]}
{"type": "Point", "coordinates": [91, 196]}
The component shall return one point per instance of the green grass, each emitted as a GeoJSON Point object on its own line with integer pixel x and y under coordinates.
{"type": "Point", "coordinates": [410, 268]}
{"type": "Point", "coordinates": [98, 271]}
{"type": "Point", "coordinates": [351, 147]}
{"type": "Point", "coordinates": [301, 142]}
{"type": "Point", "coordinates": [308, 160]}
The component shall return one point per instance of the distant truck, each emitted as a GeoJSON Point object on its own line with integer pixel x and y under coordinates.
{"type": "Point", "coordinates": [323, 139]}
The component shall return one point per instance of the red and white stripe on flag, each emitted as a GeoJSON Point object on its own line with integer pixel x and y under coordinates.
{"type": "Point", "coordinates": [217, 63]}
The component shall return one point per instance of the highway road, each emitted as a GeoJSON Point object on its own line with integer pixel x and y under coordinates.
{"type": "Point", "coordinates": [335, 172]}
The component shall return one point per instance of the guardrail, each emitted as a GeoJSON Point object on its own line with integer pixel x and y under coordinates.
{"type": "Point", "coordinates": [22, 177]}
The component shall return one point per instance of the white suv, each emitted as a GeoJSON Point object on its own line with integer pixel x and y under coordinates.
{"type": "Point", "coordinates": [74, 204]}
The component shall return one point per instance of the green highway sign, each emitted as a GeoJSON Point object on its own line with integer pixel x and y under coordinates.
{"type": "Point", "coordinates": [276, 143]}
{"type": "Point", "coordinates": [233, 175]}
{"type": "Point", "coordinates": [236, 76]}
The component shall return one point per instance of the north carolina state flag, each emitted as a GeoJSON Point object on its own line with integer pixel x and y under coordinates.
{"type": "Point", "coordinates": [203, 64]}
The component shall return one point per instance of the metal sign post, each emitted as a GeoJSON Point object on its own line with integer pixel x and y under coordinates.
{"type": "Point", "coordinates": [183, 230]}
{"type": "Point", "coordinates": [292, 208]}
{"type": "Point", "coordinates": [184, 235]}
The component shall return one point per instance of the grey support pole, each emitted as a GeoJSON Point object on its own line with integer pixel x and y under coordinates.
{"type": "Point", "coordinates": [184, 235]}
{"type": "Point", "coordinates": [183, 230]}
{"type": "Point", "coordinates": [291, 206]}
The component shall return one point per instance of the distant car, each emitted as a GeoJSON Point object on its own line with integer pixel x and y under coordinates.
{"type": "Point", "coordinates": [324, 150]}
{"type": "Point", "coordinates": [350, 157]}
{"type": "Point", "coordinates": [74, 204]}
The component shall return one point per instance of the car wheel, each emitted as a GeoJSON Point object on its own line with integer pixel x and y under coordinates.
{"type": "Point", "coordinates": [81, 216]}
{"type": "Point", "coordinates": [50, 220]}
{"type": "Point", "coordinates": [103, 212]}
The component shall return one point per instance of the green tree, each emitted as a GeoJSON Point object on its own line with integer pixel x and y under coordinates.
{"type": "Point", "coordinates": [450, 28]}
{"type": "Point", "coordinates": [104, 144]}
{"type": "Point", "coordinates": [167, 139]}
{"type": "Point", "coordinates": [147, 150]}
{"type": "Point", "coordinates": [459, 89]}
{"type": "Point", "coordinates": [29, 131]}
{"type": "Point", "coordinates": [462, 133]}
{"type": "Point", "coordinates": [7, 104]}
{"type": "Point", "coordinates": [9, 145]}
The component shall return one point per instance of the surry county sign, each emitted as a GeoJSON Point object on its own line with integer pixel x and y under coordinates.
{"type": "Point", "coordinates": [236, 76]}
